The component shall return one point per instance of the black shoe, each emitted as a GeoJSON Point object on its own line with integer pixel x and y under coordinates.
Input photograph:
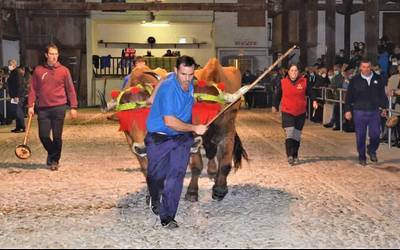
{"type": "Point", "coordinates": [17, 131]}
{"type": "Point", "coordinates": [49, 161]}
{"type": "Point", "coordinates": [363, 163]}
{"type": "Point", "coordinates": [54, 166]}
{"type": "Point", "coordinates": [373, 157]}
{"type": "Point", "coordinates": [171, 225]}
{"type": "Point", "coordinates": [291, 161]}
{"type": "Point", "coordinates": [336, 128]}
{"type": "Point", "coordinates": [328, 125]}
{"type": "Point", "coordinates": [155, 208]}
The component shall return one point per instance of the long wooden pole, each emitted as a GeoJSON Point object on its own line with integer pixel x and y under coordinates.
{"type": "Point", "coordinates": [247, 88]}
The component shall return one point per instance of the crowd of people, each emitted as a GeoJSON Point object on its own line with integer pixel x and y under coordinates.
{"type": "Point", "coordinates": [15, 79]}
{"type": "Point", "coordinates": [339, 77]}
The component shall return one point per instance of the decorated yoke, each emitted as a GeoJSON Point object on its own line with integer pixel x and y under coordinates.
{"type": "Point", "coordinates": [134, 114]}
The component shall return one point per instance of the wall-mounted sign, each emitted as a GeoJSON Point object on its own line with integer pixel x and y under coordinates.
{"type": "Point", "coordinates": [246, 43]}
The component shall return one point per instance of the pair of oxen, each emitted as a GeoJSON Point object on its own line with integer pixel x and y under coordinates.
{"type": "Point", "coordinates": [222, 145]}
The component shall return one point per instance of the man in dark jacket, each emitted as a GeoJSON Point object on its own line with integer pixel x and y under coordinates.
{"type": "Point", "coordinates": [367, 98]}
{"type": "Point", "coordinates": [16, 89]}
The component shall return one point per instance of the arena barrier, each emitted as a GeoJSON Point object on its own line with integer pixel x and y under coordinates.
{"type": "Point", "coordinates": [330, 95]}
{"type": "Point", "coordinates": [4, 99]}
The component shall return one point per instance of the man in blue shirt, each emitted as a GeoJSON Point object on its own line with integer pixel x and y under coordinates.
{"type": "Point", "coordinates": [366, 101]}
{"type": "Point", "coordinates": [169, 140]}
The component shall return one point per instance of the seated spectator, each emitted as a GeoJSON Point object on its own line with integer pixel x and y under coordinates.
{"type": "Point", "coordinates": [393, 90]}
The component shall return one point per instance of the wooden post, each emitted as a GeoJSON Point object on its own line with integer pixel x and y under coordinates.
{"type": "Point", "coordinates": [1, 38]}
{"type": "Point", "coordinates": [285, 30]}
{"type": "Point", "coordinates": [303, 32]}
{"type": "Point", "coordinates": [371, 29]}
{"type": "Point", "coordinates": [347, 28]}
{"type": "Point", "coordinates": [330, 32]}
{"type": "Point", "coordinates": [347, 35]}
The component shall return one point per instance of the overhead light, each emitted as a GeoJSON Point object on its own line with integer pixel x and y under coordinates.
{"type": "Point", "coordinates": [155, 24]}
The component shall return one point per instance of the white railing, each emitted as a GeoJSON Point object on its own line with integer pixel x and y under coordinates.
{"type": "Point", "coordinates": [4, 99]}
{"type": "Point", "coordinates": [323, 96]}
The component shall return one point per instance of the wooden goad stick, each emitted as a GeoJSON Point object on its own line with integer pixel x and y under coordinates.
{"type": "Point", "coordinates": [247, 88]}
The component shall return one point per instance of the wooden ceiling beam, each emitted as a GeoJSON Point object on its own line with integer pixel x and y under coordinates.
{"type": "Point", "coordinates": [52, 5]}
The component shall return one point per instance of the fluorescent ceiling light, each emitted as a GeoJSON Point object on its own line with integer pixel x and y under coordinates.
{"type": "Point", "coordinates": [156, 24]}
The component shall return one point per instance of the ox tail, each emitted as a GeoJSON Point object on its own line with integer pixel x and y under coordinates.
{"type": "Point", "coordinates": [239, 152]}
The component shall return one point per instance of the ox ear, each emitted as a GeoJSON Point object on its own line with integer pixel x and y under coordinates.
{"type": "Point", "coordinates": [155, 75]}
{"type": "Point", "coordinates": [115, 94]}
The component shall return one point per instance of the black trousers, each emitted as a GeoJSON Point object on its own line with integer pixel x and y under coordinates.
{"type": "Point", "coordinates": [293, 126]}
{"type": "Point", "coordinates": [51, 120]}
{"type": "Point", "coordinates": [20, 114]}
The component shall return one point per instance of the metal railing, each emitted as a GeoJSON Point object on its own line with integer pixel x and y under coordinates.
{"type": "Point", "coordinates": [328, 95]}
{"type": "Point", "coordinates": [107, 66]}
{"type": "Point", "coordinates": [392, 112]}
{"type": "Point", "coordinates": [4, 100]}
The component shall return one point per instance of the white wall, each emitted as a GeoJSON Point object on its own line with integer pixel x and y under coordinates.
{"type": "Point", "coordinates": [11, 50]}
{"type": "Point", "coordinates": [248, 41]}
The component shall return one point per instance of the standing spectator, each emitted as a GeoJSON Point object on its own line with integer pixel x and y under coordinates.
{"type": "Point", "coordinates": [367, 98]}
{"type": "Point", "coordinates": [17, 92]}
{"type": "Point", "coordinates": [322, 79]}
{"type": "Point", "coordinates": [341, 57]}
{"type": "Point", "coordinates": [383, 60]}
{"type": "Point", "coordinates": [53, 88]}
{"type": "Point", "coordinates": [336, 84]}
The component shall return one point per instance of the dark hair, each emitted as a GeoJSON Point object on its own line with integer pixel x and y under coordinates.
{"type": "Point", "coordinates": [294, 65]}
{"type": "Point", "coordinates": [365, 61]}
{"type": "Point", "coordinates": [51, 46]}
{"type": "Point", "coordinates": [186, 61]}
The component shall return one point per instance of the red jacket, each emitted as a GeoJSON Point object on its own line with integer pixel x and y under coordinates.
{"type": "Point", "coordinates": [52, 86]}
{"type": "Point", "coordinates": [294, 100]}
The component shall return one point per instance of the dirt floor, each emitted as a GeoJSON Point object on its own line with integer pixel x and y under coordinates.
{"type": "Point", "coordinates": [97, 199]}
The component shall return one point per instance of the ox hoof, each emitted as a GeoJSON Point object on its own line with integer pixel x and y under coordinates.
{"type": "Point", "coordinates": [219, 193]}
{"type": "Point", "coordinates": [192, 196]}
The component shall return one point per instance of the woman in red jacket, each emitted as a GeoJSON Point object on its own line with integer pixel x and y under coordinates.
{"type": "Point", "coordinates": [292, 94]}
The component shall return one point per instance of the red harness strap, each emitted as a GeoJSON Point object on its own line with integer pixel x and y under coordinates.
{"type": "Point", "coordinates": [204, 112]}
{"type": "Point", "coordinates": [134, 117]}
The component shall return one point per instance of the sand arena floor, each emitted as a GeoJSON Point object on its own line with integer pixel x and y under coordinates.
{"type": "Point", "coordinates": [97, 199]}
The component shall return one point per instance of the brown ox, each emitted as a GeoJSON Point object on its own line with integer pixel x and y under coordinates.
{"type": "Point", "coordinates": [221, 143]}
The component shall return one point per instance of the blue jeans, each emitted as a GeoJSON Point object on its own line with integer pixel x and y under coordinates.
{"type": "Point", "coordinates": [367, 121]}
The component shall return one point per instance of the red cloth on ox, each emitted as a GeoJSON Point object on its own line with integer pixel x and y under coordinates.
{"type": "Point", "coordinates": [130, 118]}
{"type": "Point", "coordinates": [204, 112]}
